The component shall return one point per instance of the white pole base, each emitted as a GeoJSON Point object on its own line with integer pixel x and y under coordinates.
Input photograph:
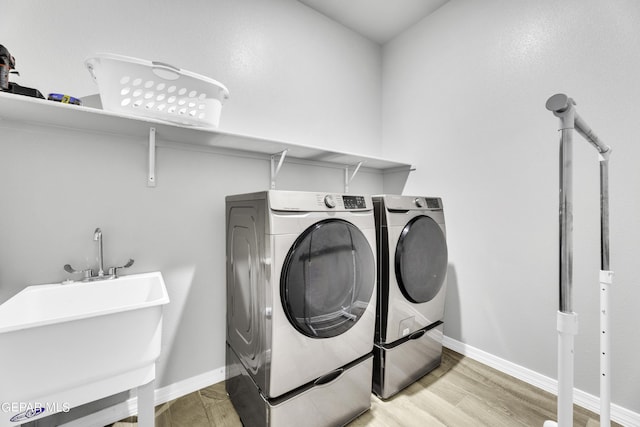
{"type": "Point", "coordinates": [606, 279]}
{"type": "Point", "coordinates": [567, 324]}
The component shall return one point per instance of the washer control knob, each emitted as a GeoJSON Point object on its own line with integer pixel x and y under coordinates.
{"type": "Point", "coordinates": [418, 202]}
{"type": "Point", "coordinates": [329, 201]}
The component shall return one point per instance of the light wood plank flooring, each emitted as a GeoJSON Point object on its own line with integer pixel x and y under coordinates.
{"type": "Point", "coordinates": [461, 392]}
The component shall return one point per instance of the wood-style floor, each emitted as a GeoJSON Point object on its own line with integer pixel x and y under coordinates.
{"type": "Point", "coordinates": [461, 392]}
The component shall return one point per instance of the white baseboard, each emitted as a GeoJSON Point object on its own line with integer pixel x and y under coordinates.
{"type": "Point", "coordinates": [588, 401]}
{"type": "Point", "coordinates": [179, 389]}
{"type": "Point", "coordinates": [162, 395]}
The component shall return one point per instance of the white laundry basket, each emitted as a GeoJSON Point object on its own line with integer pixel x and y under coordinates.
{"type": "Point", "coordinates": [156, 90]}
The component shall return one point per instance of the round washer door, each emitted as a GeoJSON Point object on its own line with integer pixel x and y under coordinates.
{"type": "Point", "coordinates": [327, 279]}
{"type": "Point", "coordinates": [421, 259]}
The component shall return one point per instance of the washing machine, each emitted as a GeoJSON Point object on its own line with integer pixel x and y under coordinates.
{"type": "Point", "coordinates": [301, 307]}
{"type": "Point", "coordinates": [412, 268]}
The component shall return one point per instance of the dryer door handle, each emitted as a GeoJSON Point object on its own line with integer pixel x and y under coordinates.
{"type": "Point", "coordinates": [417, 334]}
{"type": "Point", "coordinates": [331, 376]}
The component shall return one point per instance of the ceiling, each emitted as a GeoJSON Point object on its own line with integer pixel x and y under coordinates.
{"type": "Point", "coordinates": [378, 20]}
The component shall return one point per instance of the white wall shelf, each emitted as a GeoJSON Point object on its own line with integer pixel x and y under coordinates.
{"type": "Point", "coordinates": [42, 112]}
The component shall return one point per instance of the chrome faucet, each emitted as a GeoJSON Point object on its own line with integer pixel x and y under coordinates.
{"type": "Point", "coordinates": [87, 274]}
{"type": "Point", "coordinates": [97, 237]}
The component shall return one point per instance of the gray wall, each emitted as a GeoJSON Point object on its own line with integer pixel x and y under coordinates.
{"type": "Point", "coordinates": [465, 92]}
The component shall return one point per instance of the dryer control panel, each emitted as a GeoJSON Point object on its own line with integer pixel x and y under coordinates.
{"type": "Point", "coordinates": [406, 203]}
{"type": "Point", "coordinates": [317, 202]}
{"type": "Point", "coordinates": [342, 202]}
{"type": "Point", "coordinates": [433, 203]}
{"type": "Point", "coordinates": [354, 202]}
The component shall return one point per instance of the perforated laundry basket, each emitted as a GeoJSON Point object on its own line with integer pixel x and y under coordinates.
{"type": "Point", "coordinates": [156, 90]}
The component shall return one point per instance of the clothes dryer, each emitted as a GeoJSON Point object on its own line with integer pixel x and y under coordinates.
{"type": "Point", "coordinates": [300, 307]}
{"type": "Point", "coordinates": [412, 267]}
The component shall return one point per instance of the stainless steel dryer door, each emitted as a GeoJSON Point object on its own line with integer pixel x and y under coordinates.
{"type": "Point", "coordinates": [421, 259]}
{"type": "Point", "coordinates": [327, 279]}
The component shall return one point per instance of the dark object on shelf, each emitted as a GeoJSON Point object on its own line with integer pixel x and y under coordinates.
{"type": "Point", "coordinates": [7, 63]}
{"type": "Point", "coordinates": [22, 90]}
{"type": "Point", "coordinates": [65, 99]}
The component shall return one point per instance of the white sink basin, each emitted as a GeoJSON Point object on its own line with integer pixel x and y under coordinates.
{"type": "Point", "coordinates": [63, 345]}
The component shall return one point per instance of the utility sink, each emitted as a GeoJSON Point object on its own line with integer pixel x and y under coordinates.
{"type": "Point", "coordinates": [63, 345]}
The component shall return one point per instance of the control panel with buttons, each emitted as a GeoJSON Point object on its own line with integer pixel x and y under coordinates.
{"type": "Point", "coordinates": [354, 202]}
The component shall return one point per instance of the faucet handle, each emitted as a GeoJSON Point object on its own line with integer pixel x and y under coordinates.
{"type": "Point", "coordinates": [86, 273]}
{"type": "Point", "coordinates": [113, 271]}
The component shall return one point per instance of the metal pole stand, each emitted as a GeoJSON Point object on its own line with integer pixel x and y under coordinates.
{"type": "Point", "coordinates": [563, 107]}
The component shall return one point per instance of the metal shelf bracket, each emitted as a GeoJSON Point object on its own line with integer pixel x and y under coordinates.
{"type": "Point", "coordinates": [275, 169]}
{"type": "Point", "coordinates": [347, 178]}
{"type": "Point", "coordinates": [151, 177]}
